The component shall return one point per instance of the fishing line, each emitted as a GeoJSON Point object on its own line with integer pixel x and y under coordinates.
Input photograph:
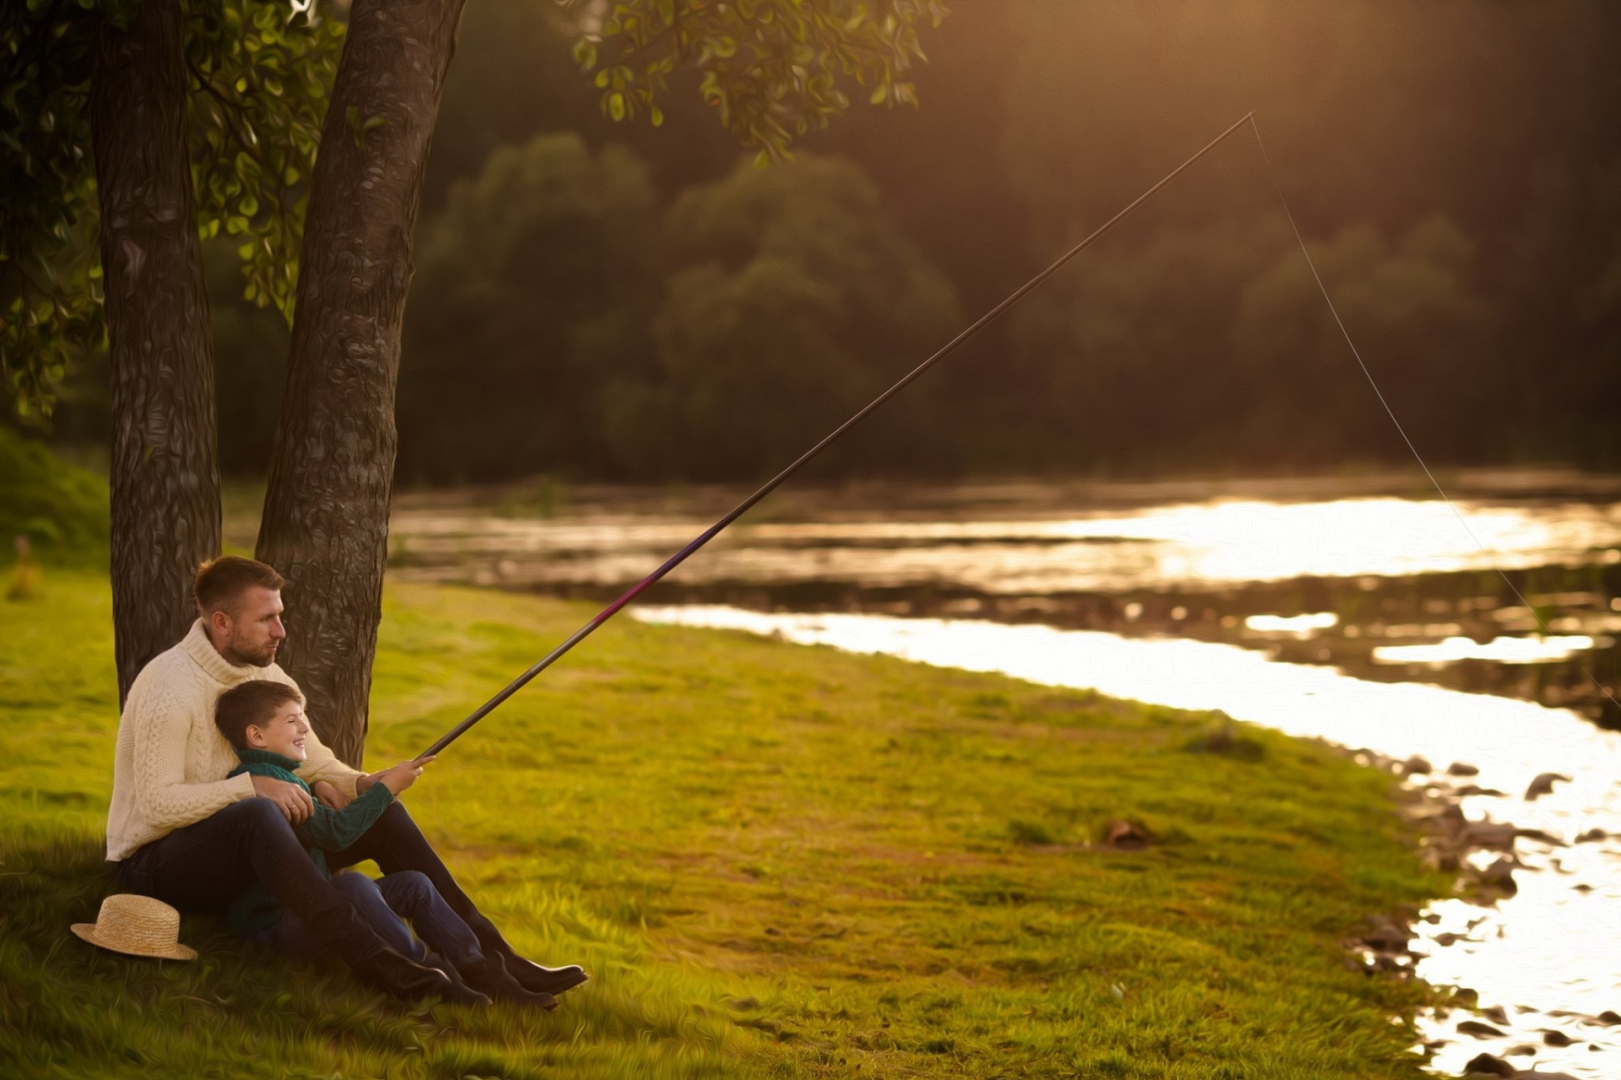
{"type": "Point", "coordinates": [1542, 624]}
{"type": "Point", "coordinates": [708, 534]}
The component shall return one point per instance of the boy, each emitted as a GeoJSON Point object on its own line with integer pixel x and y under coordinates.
{"type": "Point", "coordinates": [264, 721]}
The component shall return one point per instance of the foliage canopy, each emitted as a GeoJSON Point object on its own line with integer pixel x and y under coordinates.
{"type": "Point", "coordinates": [770, 304]}
{"type": "Point", "coordinates": [258, 72]}
{"type": "Point", "coordinates": [773, 68]}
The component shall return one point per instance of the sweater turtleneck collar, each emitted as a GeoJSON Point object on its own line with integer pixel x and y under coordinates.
{"type": "Point", "coordinates": [221, 670]}
{"type": "Point", "coordinates": [251, 756]}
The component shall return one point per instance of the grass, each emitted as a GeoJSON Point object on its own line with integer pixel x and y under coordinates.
{"type": "Point", "coordinates": [60, 509]}
{"type": "Point", "coordinates": [776, 861]}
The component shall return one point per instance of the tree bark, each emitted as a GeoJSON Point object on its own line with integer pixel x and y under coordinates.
{"type": "Point", "coordinates": [325, 525]}
{"type": "Point", "coordinates": [165, 472]}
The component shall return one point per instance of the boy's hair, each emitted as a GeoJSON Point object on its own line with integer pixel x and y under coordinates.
{"type": "Point", "coordinates": [251, 704]}
{"type": "Point", "coordinates": [222, 581]}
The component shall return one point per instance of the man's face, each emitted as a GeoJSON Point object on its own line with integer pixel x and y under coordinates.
{"type": "Point", "coordinates": [252, 635]}
{"type": "Point", "coordinates": [283, 733]}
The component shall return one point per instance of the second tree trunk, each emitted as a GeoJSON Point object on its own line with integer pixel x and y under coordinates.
{"type": "Point", "coordinates": [325, 525]}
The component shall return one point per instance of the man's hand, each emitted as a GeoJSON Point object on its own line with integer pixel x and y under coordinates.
{"type": "Point", "coordinates": [396, 779]}
{"type": "Point", "coordinates": [292, 800]}
{"type": "Point", "coordinates": [329, 794]}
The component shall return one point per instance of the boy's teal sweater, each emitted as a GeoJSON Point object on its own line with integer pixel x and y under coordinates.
{"type": "Point", "coordinates": [324, 830]}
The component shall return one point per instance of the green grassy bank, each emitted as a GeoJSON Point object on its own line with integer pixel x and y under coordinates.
{"type": "Point", "coordinates": [775, 860]}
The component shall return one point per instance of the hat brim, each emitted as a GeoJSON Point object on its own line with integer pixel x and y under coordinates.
{"type": "Point", "coordinates": [87, 931]}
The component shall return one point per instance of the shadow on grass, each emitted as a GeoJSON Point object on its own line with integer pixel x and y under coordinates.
{"type": "Point", "coordinates": [70, 1009]}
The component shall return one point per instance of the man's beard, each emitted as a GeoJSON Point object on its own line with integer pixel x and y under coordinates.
{"type": "Point", "coordinates": [263, 658]}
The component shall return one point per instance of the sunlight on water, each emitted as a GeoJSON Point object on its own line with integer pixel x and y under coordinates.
{"type": "Point", "coordinates": [1503, 650]}
{"type": "Point", "coordinates": [1299, 625]}
{"type": "Point", "coordinates": [1551, 951]}
{"type": "Point", "coordinates": [1202, 543]}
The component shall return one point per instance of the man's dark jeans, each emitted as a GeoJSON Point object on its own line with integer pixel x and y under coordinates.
{"type": "Point", "coordinates": [205, 866]}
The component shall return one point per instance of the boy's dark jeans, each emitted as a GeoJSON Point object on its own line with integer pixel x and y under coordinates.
{"type": "Point", "coordinates": [395, 844]}
{"type": "Point", "coordinates": [203, 867]}
{"type": "Point", "coordinates": [388, 904]}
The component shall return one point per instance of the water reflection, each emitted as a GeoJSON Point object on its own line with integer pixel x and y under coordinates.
{"type": "Point", "coordinates": [1503, 650]}
{"type": "Point", "coordinates": [1385, 587]}
{"type": "Point", "coordinates": [1295, 625]}
{"type": "Point", "coordinates": [1190, 548]}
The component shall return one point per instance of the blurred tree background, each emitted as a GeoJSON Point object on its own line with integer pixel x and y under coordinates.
{"type": "Point", "coordinates": [601, 300]}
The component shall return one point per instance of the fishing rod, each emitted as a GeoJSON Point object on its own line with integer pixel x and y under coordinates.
{"type": "Point", "coordinates": [804, 459]}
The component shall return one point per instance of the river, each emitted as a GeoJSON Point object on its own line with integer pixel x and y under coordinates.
{"type": "Point", "coordinates": [1480, 633]}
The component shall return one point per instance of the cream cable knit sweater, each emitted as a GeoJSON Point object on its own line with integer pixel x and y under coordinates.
{"type": "Point", "coordinates": [169, 771]}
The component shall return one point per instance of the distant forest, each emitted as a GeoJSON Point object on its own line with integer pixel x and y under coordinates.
{"type": "Point", "coordinates": [616, 301]}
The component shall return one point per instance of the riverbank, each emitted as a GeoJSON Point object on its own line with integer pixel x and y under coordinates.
{"type": "Point", "coordinates": [775, 860]}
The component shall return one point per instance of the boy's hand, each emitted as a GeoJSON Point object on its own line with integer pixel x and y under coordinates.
{"type": "Point", "coordinates": [329, 794]}
{"type": "Point", "coordinates": [396, 779]}
{"type": "Point", "coordinates": [292, 800]}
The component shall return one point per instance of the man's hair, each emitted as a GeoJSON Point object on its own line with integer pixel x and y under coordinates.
{"type": "Point", "coordinates": [251, 704]}
{"type": "Point", "coordinates": [222, 581]}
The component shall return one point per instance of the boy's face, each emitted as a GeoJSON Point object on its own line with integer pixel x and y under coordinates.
{"type": "Point", "coordinates": [283, 733]}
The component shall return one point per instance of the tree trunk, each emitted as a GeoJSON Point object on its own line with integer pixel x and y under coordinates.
{"type": "Point", "coordinates": [325, 525]}
{"type": "Point", "coordinates": [165, 471]}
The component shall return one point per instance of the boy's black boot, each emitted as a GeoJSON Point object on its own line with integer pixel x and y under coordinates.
{"type": "Point", "coordinates": [529, 975]}
{"type": "Point", "coordinates": [490, 976]}
{"type": "Point", "coordinates": [405, 979]}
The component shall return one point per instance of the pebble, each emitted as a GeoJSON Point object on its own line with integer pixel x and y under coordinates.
{"type": "Point", "coordinates": [1489, 834]}
{"type": "Point", "coordinates": [1479, 1030]}
{"type": "Point", "coordinates": [1459, 768]}
{"type": "Point", "coordinates": [1125, 834]}
{"type": "Point", "coordinates": [1386, 935]}
{"type": "Point", "coordinates": [1500, 875]}
{"type": "Point", "coordinates": [1543, 785]}
{"type": "Point", "coordinates": [1487, 1065]}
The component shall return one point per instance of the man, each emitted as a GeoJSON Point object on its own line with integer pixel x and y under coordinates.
{"type": "Point", "coordinates": [181, 832]}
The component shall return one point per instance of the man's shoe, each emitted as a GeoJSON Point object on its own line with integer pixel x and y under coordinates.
{"type": "Point", "coordinates": [490, 977]}
{"type": "Point", "coordinates": [405, 979]}
{"type": "Point", "coordinates": [541, 980]}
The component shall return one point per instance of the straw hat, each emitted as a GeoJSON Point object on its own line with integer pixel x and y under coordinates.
{"type": "Point", "coordinates": [139, 926]}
